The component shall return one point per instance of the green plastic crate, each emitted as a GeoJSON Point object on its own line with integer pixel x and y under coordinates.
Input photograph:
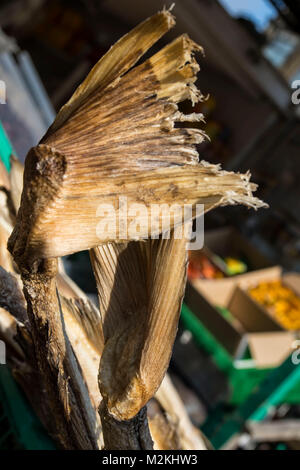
{"type": "Point", "coordinates": [242, 380]}
{"type": "Point", "coordinates": [255, 392]}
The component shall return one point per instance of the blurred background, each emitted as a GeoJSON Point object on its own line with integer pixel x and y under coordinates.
{"type": "Point", "coordinates": [235, 361]}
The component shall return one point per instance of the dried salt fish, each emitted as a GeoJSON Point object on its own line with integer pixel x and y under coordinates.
{"type": "Point", "coordinates": [117, 136]}
{"type": "Point", "coordinates": [84, 330]}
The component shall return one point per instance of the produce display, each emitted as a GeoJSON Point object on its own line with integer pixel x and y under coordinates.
{"type": "Point", "coordinates": [210, 266]}
{"type": "Point", "coordinates": [201, 267]}
{"type": "Point", "coordinates": [281, 302]}
{"type": "Point", "coordinates": [235, 266]}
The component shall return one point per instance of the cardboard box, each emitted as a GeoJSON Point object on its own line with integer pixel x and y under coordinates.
{"type": "Point", "coordinates": [255, 318]}
{"type": "Point", "coordinates": [228, 241]}
{"type": "Point", "coordinates": [252, 327]}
